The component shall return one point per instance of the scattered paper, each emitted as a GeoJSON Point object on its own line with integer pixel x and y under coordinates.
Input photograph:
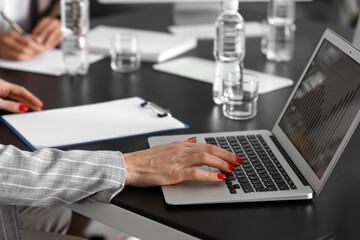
{"type": "Point", "coordinates": [49, 63]}
{"type": "Point", "coordinates": [203, 70]}
{"type": "Point", "coordinates": [207, 31]}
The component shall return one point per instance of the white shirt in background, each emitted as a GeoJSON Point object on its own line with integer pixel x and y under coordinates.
{"type": "Point", "coordinates": [17, 11]}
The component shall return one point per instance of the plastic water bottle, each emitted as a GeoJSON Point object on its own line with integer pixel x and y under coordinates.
{"type": "Point", "coordinates": [75, 26]}
{"type": "Point", "coordinates": [278, 42]}
{"type": "Point", "coordinates": [229, 45]}
{"type": "Point", "coordinates": [281, 12]}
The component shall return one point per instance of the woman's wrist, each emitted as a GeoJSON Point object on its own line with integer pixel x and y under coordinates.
{"type": "Point", "coordinates": [128, 169]}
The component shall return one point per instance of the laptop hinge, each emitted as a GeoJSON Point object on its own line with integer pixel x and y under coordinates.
{"type": "Point", "coordinates": [288, 159]}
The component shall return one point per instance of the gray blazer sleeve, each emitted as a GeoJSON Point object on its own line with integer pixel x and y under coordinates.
{"type": "Point", "coordinates": [51, 177]}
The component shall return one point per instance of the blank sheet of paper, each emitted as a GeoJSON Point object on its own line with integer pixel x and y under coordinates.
{"type": "Point", "coordinates": [49, 63]}
{"type": "Point", "coordinates": [207, 31]}
{"type": "Point", "coordinates": [89, 123]}
{"type": "Point", "coordinates": [154, 46]}
{"type": "Point", "coordinates": [203, 70]}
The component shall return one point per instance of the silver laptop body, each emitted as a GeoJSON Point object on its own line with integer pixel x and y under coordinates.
{"type": "Point", "coordinates": [356, 37]}
{"type": "Point", "coordinates": [307, 139]}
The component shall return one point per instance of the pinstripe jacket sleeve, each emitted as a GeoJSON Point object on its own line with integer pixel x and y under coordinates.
{"type": "Point", "coordinates": [51, 177]}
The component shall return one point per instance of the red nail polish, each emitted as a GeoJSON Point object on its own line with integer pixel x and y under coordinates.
{"type": "Point", "coordinates": [191, 138]}
{"type": "Point", "coordinates": [23, 108]}
{"type": "Point", "coordinates": [239, 160]}
{"type": "Point", "coordinates": [42, 105]}
{"type": "Point", "coordinates": [231, 167]}
{"type": "Point", "coordinates": [221, 176]}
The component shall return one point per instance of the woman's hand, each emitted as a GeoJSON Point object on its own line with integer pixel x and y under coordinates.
{"type": "Point", "coordinates": [48, 32]}
{"type": "Point", "coordinates": [173, 163]}
{"type": "Point", "coordinates": [14, 46]}
{"type": "Point", "coordinates": [15, 98]}
{"type": "Point", "coordinates": [46, 35]}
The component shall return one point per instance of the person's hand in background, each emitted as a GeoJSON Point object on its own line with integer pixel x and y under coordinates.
{"type": "Point", "coordinates": [14, 46]}
{"type": "Point", "coordinates": [15, 98]}
{"type": "Point", "coordinates": [48, 32]}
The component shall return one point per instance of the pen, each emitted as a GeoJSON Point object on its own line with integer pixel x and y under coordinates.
{"type": "Point", "coordinates": [14, 25]}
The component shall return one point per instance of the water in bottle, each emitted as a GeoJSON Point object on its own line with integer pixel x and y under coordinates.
{"type": "Point", "coordinates": [75, 26]}
{"type": "Point", "coordinates": [278, 42]}
{"type": "Point", "coordinates": [281, 12]}
{"type": "Point", "coordinates": [229, 45]}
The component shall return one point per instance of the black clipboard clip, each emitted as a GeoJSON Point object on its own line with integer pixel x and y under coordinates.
{"type": "Point", "coordinates": [159, 111]}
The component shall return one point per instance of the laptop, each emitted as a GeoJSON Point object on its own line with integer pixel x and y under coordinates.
{"type": "Point", "coordinates": [294, 159]}
{"type": "Point", "coordinates": [356, 37]}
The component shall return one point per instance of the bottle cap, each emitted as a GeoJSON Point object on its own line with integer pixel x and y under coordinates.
{"type": "Point", "coordinates": [231, 4]}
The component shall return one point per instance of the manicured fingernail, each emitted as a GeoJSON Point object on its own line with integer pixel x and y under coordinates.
{"type": "Point", "coordinates": [191, 138]}
{"type": "Point", "coordinates": [23, 108]}
{"type": "Point", "coordinates": [42, 105]}
{"type": "Point", "coordinates": [221, 176]}
{"type": "Point", "coordinates": [231, 167]}
{"type": "Point", "coordinates": [239, 160]}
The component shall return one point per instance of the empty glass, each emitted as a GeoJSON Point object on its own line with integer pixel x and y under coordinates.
{"type": "Point", "coordinates": [240, 96]}
{"type": "Point", "coordinates": [125, 53]}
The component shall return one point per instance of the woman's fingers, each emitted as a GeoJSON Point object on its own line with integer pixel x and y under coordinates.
{"type": "Point", "coordinates": [53, 40]}
{"type": "Point", "coordinates": [213, 150]}
{"type": "Point", "coordinates": [41, 27]}
{"type": "Point", "coordinates": [192, 139]}
{"type": "Point", "coordinates": [17, 47]}
{"type": "Point", "coordinates": [12, 106]}
{"type": "Point", "coordinates": [20, 95]}
{"type": "Point", "coordinates": [34, 105]}
{"type": "Point", "coordinates": [48, 32]}
{"type": "Point", "coordinates": [205, 158]}
{"type": "Point", "coordinates": [197, 174]}
{"type": "Point", "coordinates": [26, 43]}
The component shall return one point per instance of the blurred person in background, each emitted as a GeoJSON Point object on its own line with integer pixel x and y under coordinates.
{"type": "Point", "coordinates": [39, 18]}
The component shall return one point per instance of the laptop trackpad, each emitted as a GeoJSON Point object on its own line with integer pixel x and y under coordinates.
{"type": "Point", "coordinates": [196, 190]}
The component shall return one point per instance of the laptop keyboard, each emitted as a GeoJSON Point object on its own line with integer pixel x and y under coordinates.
{"type": "Point", "coordinates": [260, 172]}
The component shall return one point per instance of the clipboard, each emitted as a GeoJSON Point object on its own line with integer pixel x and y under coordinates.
{"type": "Point", "coordinates": [72, 126]}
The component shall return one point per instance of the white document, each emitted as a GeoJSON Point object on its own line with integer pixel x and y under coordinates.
{"type": "Point", "coordinates": [203, 70]}
{"type": "Point", "coordinates": [154, 46]}
{"type": "Point", "coordinates": [89, 123]}
{"type": "Point", "coordinates": [207, 31]}
{"type": "Point", "coordinates": [49, 63]}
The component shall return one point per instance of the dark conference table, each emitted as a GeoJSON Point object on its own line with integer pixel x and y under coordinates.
{"type": "Point", "coordinates": [333, 214]}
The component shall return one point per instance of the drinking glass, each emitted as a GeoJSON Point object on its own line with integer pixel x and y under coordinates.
{"type": "Point", "coordinates": [240, 95]}
{"type": "Point", "coordinates": [125, 53]}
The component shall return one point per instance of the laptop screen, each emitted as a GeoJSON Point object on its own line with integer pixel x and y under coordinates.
{"type": "Point", "coordinates": [323, 107]}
